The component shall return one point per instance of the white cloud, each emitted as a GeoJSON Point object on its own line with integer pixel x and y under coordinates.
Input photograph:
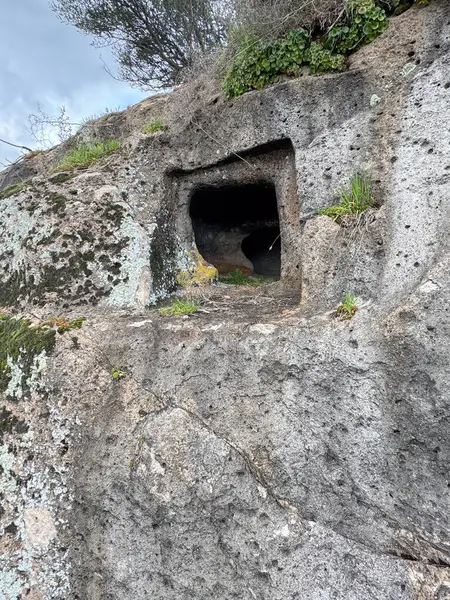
{"type": "Point", "coordinates": [47, 62]}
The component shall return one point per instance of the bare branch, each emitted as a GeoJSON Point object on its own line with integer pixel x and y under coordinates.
{"type": "Point", "coordinates": [16, 146]}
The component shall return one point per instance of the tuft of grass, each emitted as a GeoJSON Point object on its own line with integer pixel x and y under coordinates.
{"type": "Point", "coordinates": [347, 307]}
{"type": "Point", "coordinates": [238, 278]}
{"type": "Point", "coordinates": [86, 154]}
{"type": "Point", "coordinates": [354, 199]}
{"type": "Point", "coordinates": [180, 306]}
{"type": "Point", "coordinates": [154, 126]}
{"type": "Point", "coordinates": [11, 190]}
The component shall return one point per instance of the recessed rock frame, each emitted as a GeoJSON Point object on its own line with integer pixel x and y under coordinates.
{"type": "Point", "coordinates": [235, 210]}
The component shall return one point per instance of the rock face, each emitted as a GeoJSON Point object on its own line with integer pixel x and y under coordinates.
{"type": "Point", "coordinates": [261, 448]}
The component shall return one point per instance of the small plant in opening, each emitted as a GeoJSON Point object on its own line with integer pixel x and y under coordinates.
{"type": "Point", "coordinates": [180, 306]}
{"type": "Point", "coordinates": [86, 154]}
{"type": "Point", "coordinates": [117, 374]}
{"type": "Point", "coordinates": [238, 278]}
{"type": "Point", "coordinates": [347, 307]}
{"type": "Point", "coordinates": [354, 199]}
{"type": "Point", "coordinates": [154, 126]}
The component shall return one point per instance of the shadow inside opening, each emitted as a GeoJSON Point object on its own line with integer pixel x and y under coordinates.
{"type": "Point", "coordinates": [237, 227]}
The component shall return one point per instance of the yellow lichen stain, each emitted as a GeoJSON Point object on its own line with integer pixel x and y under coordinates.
{"type": "Point", "coordinates": [202, 273]}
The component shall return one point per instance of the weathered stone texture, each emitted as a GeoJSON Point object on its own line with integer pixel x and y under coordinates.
{"type": "Point", "coordinates": [261, 448]}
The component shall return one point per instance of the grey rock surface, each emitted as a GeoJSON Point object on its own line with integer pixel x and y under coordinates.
{"type": "Point", "coordinates": [261, 448]}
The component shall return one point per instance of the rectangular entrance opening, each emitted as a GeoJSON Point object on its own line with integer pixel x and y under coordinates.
{"type": "Point", "coordinates": [236, 226]}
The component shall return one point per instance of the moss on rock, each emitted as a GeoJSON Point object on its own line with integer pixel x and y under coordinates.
{"type": "Point", "coordinates": [20, 341]}
{"type": "Point", "coordinates": [12, 190]}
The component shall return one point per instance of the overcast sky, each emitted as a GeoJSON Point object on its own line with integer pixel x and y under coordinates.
{"type": "Point", "coordinates": [44, 61]}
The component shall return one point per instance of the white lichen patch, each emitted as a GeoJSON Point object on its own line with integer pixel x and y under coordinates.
{"type": "Point", "coordinates": [35, 484]}
{"type": "Point", "coordinates": [7, 480]}
{"type": "Point", "coordinates": [11, 586]}
{"type": "Point", "coordinates": [16, 225]}
{"type": "Point", "coordinates": [22, 378]}
{"type": "Point", "coordinates": [135, 288]}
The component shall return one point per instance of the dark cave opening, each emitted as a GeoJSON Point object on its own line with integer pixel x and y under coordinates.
{"type": "Point", "coordinates": [237, 227]}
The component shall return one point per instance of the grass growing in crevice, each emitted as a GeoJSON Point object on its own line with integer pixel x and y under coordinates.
{"type": "Point", "coordinates": [12, 190]}
{"type": "Point", "coordinates": [86, 154]}
{"type": "Point", "coordinates": [180, 306]}
{"type": "Point", "coordinates": [154, 126]}
{"type": "Point", "coordinates": [238, 278]}
{"type": "Point", "coordinates": [354, 199]}
{"type": "Point", "coordinates": [347, 307]}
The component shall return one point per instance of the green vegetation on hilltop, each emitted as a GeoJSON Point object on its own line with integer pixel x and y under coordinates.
{"type": "Point", "coordinates": [258, 61]}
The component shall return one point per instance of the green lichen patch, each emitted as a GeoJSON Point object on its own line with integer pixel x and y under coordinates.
{"type": "Point", "coordinates": [12, 190]}
{"type": "Point", "coordinates": [58, 203]}
{"type": "Point", "coordinates": [60, 177]}
{"type": "Point", "coordinates": [20, 341]}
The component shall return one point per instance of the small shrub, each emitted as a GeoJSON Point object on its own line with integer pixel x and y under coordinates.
{"type": "Point", "coordinates": [348, 307]}
{"type": "Point", "coordinates": [258, 62]}
{"type": "Point", "coordinates": [238, 278]}
{"type": "Point", "coordinates": [354, 200]}
{"type": "Point", "coordinates": [110, 113]}
{"type": "Point", "coordinates": [12, 190]}
{"type": "Point", "coordinates": [180, 306]}
{"type": "Point", "coordinates": [154, 126]}
{"type": "Point", "coordinates": [86, 154]}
